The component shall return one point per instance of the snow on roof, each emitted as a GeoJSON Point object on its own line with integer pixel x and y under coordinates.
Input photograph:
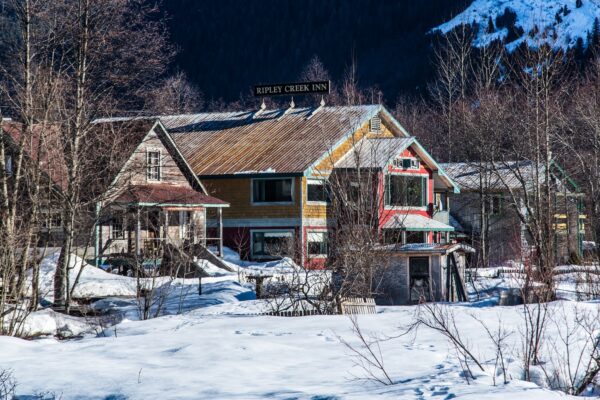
{"type": "Point", "coordinates": [415, 222]}
{"type": "Point", "coordinates": [499, 175]}
{"type": "Point", "coordinates": [566, 28]}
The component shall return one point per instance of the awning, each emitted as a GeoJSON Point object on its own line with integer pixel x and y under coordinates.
{"type": "Point", "coordinates": [416, 222]}
{"type": "Point", "coordinates": [165, 195]}
{"type": "Point", "coordinates": [427, 248]}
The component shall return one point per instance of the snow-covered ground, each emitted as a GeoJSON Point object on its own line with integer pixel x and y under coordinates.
{"type": "Point", "coordinates": [215, 346]}
{"type": "Point", "coordinates": [206, 354]}
{"type": "Point", "coordinates": [562, 32]}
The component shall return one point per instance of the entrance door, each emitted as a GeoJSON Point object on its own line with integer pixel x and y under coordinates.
{"type": "Point", "coordinates": [419, 279]}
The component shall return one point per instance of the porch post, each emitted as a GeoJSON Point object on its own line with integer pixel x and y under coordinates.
{"type": "Point", "coordinates": [97, 234]}
{"type": "Point", "coordinates": [220, 232]}
{"type": "Point", "coordinates": [138, 233]}
{"type": "Point", "coordinates": [166, 226]}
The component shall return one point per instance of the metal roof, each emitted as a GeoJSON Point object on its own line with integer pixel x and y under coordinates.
{"type": "Point", "coordinates": [167, 195]}
{"type": "Point", "coordinates": [374, 152]}
{"type": "Point", "coordinates": [270, 141]}
{"type": "Point", "coordinates": [416, 222]}
{"type": "Point", "coordinates": [499, 175]}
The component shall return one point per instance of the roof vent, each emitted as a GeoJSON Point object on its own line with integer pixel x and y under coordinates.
{"type": "Point", "coordinates": [375, 124]}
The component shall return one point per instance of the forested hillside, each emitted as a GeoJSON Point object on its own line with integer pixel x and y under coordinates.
{"type": "Point", "coordinates": [227, 46]}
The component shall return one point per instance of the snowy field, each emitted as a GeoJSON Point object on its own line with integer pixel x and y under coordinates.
{"type": "Point", "coordinates": [213, 346]}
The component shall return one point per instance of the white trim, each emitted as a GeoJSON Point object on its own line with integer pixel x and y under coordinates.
{"type": "Point", "coordinates": [253, 231]}
{"type": "Point", "coordinates": [160, 164]}
{"type": "Point", "coordinates": [315, 256]}
{"type": "Point", "coordinates": [274, 203]}
{"type": "Point", "coordinates": [408, 208]}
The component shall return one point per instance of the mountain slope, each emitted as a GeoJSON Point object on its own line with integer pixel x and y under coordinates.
{"type": "Point", "coordinates": [558, 23]}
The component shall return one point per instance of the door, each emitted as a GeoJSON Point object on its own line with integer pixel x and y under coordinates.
{"type": "Point", "coordinates": [419, 279]}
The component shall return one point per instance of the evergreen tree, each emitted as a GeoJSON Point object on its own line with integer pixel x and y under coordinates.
{"type": "Point", "coordinates": [490, 28]}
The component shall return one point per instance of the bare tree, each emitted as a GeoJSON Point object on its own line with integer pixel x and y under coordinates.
{"type": "Point", "coordinates": [176, 95]}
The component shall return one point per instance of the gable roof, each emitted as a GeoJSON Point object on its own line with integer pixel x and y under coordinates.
{"type": "Point", "coordinates": [379, 152]}
{"type": "Point", "coordinates": [125, 136]}
{"type": "Point", "coordinates": [270, 141]}
{"type": "Point", "coordinates": [374, 153]}
{"type": "Point", "coordinates": [496, 176]}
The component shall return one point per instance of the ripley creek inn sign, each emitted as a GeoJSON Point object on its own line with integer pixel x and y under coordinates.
{"type": "Point", "coordinates": [290, 89]}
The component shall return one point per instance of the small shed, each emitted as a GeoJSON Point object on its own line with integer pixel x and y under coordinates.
{"type": "Point", "coordinates": [422, 272]}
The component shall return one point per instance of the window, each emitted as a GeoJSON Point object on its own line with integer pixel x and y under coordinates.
{"type": "Point", "coordinates": [317, 243]}
{"type": "Point", "coordinates": [8, 165]}
{"type": "Point", "coordinates": [406, 191]}
{"type": "Point", "coordinates": [415, 237]}
{"type": "Point", "coordinates": [318, 191]}
{"type": "Point", "coordinates": [51, 220]}
{"type": "Point", "coordinates": [441, 201]}
{"type": "Point", "coordinates": [392, 236]}
{"type": "Point", "coordinates": [153, 165]}
{"type": "Point", "coordinates": [116, 228]}
{"type": "Point", "coordinates": [375, 125]}
{"type": "Point", "coordinates": [496, 205]}
{"type": "Point", "coordinates": [272, 244]}
{"type": "Point", "coordinates": [406, 163]}
{"type": "Point", "coordinates": [186, 228]}
{"type": "Point", "coordinates": [272, 190]}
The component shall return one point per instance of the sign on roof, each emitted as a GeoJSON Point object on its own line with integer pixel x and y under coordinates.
{"type": "Point", "coordinates": [289, 89]}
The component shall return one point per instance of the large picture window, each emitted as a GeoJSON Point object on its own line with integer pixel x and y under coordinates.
{"type": "Point", "coordinates": [406, 191]}
{"type": "Point", "coordinates": [272, 190]}
{"type": "Point", "coordinates": [272, 244]}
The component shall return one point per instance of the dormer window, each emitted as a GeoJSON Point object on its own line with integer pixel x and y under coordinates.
{"type": "Point", "coordinates": [375, 125]}
{"type": "Point", "coordinates": [153, 165]}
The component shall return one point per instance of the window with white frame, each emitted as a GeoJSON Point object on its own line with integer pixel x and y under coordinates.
{"type": "Point", "coordinates": [406, 163]}
{"type": "Point", "coordinates": [186, 226]}
{"type": "Point", "coordinates": [375, 124]}
{"type": "Point", "coordinates": [317, 190]}
{"type": "Point", "coordinates": [406, 191]}
{"type": "Point", "coordinates": [153, 165]}
{"type": "Point", "coordinates": [272, 244]}
{"type": "Point", "coordinates": [317, 243]}
{"type": "Point", "coordinates": [117, 230]}
{"type": "Point", "coordinates": [278, 190]}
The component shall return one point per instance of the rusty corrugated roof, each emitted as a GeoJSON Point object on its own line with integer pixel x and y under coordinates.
{"type": "Point", "coordinates": [374, 152]}
{"type": "Point", "coordinates": [166, 194]}
{"type": "Point", "coordinates": [274, 141]}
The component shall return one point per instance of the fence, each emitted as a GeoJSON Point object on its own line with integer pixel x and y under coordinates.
{"type": "Point", "coordinates": [348, 305]}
